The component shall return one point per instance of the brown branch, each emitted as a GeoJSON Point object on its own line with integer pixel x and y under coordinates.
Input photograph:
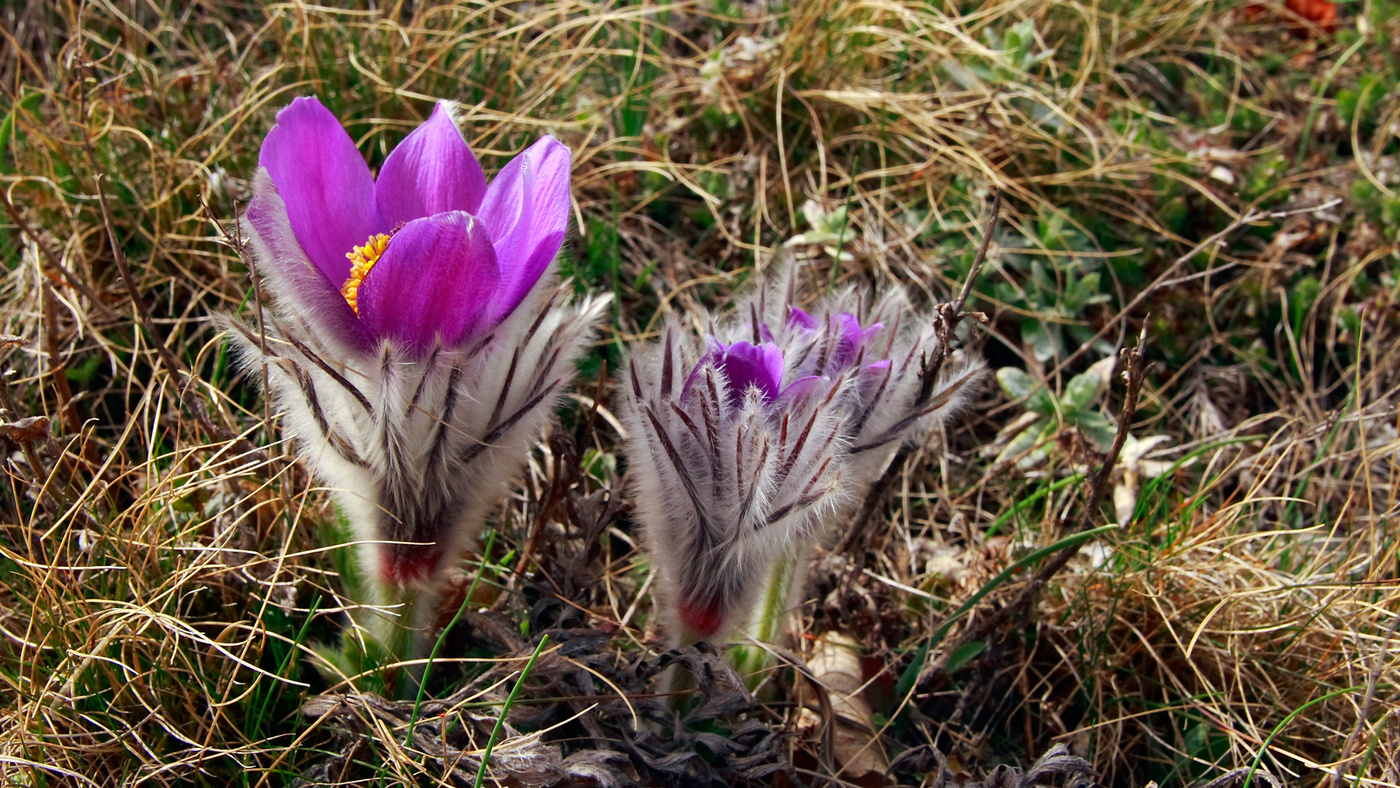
{"type": "Point", "coordinates": [946, 321]}
{"type": "Point", "coordinates": [1134, 374]}
{"type": "Point", "coordinates": [949, 315]}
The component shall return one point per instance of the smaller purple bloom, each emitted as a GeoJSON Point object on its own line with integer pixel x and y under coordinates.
{"type": "Point", "coordinates": [846, 338]}
{"type": "Point", "coordinates": [748, 366]}
{"type": "Point", "coordinates": [722, 486]}
{"type": "Point", "coordinates": [880, 344]}
{"type": "Point", "coordinates": [745, 366]}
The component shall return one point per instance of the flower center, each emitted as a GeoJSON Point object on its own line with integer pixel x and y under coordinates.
{"type": "Point", "coordinates": [362, 259]}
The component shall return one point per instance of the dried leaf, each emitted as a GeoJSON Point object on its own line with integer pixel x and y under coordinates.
{"type": "Point", "coordinates": [34, 429]}
{"type": "Point", "coordinates": [835, 665]}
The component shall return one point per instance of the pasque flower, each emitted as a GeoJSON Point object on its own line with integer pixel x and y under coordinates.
{"type": "Point", "coordinates": [426, 255]}
{"type": "Point", "coordinates": [419, 336]}
{"type": "Point", "coordinates": [841, 386]}
{"type": "Point", "coordinates": [733, 459]}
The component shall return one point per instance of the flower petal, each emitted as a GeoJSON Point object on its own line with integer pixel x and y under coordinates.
{"type": "Point", "coordinates": [801, 319]}
{"type": "Point", "coordinates": [850, 338]}
{"type": "Point", "coordinates": [801, 389]}
{"type": "Point", "coordinates": [292, 278]}
{"type": "Point", "coordinates": [526, 211]}
{"type": "Point", "coordinates": [745, 365]}
{"type": "Point", "coordinates": [431, 171]}
{"type": "Point", "coordinates": [436, 279]}
{"type": "Point", "coordinates": [324, 182]}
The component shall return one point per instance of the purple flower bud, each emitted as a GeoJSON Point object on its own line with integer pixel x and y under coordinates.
{"type": "Point", "coordinates": [748, 366]}
{"type": "Point", "coordinates": [883, 346]}
{"type": "Point", "coordinates": [742, 366]}
{"type": "Point", "coordinates": [728, 467]}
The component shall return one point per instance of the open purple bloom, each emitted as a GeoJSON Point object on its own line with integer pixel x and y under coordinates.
{"type": "Point", "coordinates": [426, 253]}
{"type": "Point", "coordinates": [419, 338]}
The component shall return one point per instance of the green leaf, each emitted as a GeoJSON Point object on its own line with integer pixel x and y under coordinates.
{"type": "Point", "coordinates": [26, 104]}
{"type": "Point", "coordinates": [1097, 428]}
{"type": "Point", "coordinates": [960, 656]}
{"type": "Point", "coordinates": [1041, 338]}
{"type": "Point", "coordinates": [1044, 441]}
{"type": "Point", "coordinates": [1017, 383]}
{"type": "Point", "coordinates": [1022, 443]}
{"type": "Point", "coordinates": [1081, 392]}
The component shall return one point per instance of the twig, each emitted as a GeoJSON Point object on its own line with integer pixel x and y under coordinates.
{"type": "Point", "coordinates": [1365, 711]}
{"type": "Point", "coordinates": [172, 364]}
{"type": "Point", "coordinates": [949, 315]}
{"type": "Point", "coordinates": [240, 248]}
{"type": "Point", "coordinates": [28, 433]}
{"type": "Point", "coordinates": [1166, 276]}
{"type": "Point", "coordinates": [946, 321]}
{"type": "Point", "coordinates": [57, 365]}
{"type": "Point", "coordinates": [1134, 374]}
{"type": "Point", "coordinates": [54, 262]}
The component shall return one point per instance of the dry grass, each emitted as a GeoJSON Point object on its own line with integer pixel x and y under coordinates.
{"type": "Point", "coordinates": [161, 579]}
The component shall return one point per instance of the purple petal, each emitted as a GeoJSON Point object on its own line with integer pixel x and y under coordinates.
{"type": "Point", "coordinates": [291, 277]}
{"type": "Point", "coordinates": [877, 367]}
{"type": "Point", "coordinates": [746, 365]}
{"type": "Point", "coordinates": [849, 340]}
{"type": "Point", "coordinates": [799, 319]}
{"type": "Point", "coordinates": [436, 278]}
{"type": "Point", "coordinates": [526, 211]}
{"type": "Point", "coordinates": [802, 388]}
{"type": "Point", "coordinates": [324, 182]}
{"type": "Point", "coordinates": [431, 171]}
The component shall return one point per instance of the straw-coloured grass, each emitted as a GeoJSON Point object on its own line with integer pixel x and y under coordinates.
{"type": "Point", "coordinates": [163, 580]}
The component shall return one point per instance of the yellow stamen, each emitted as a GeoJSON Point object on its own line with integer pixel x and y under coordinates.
{"type": "Point", "coordinates": [362, 259]}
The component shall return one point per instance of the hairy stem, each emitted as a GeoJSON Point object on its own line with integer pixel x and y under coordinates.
{"type": "Point", "coordinates": [766, 626]}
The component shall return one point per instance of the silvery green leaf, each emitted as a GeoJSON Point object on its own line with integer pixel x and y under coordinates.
{"type": "Point", "coordinates": [1017, 383]}
{"type": "Point", "coordinates": [1081, 392]}
{"type": "Point", "coordinates": [1097, 428]}
{"type": "Point", "coordinates": [1021, 444]}
{"type": "Point", "coordinates": [1041, 339]}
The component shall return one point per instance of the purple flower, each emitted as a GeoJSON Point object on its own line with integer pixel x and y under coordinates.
{"type": "Point", "coordinates": [426, 253]}
{"type": "Point", "coordinates": [730, 468]}
{"type": "Point", "coordinates": [883, 345]}
{"type": "Point", "coordinates": [735, 476]}
{"type": "Point", "coordinates": [748, 366]}
{"type": "Point", "coordinates": [419, 338]}
{"type": "Point", "coordinates": [745, 366]}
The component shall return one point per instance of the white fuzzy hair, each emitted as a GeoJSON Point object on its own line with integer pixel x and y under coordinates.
{"type": "Point", "coordinates": [721, 488]}
{"type": "Point", "coordinates": [885, 409]}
